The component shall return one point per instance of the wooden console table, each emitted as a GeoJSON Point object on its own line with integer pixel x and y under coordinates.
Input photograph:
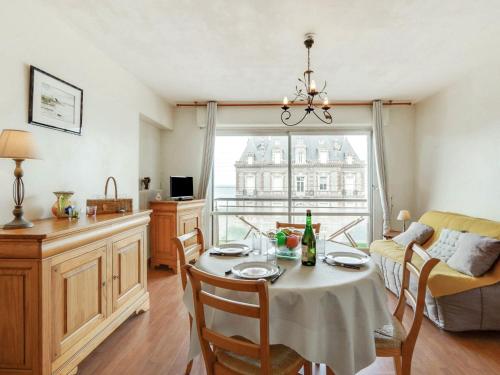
{"type": "Point", "coordinates": [65, 285]}
{"type": "Point", "coordinates": [171, 219]}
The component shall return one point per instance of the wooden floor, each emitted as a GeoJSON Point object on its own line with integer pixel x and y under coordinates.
{"type": "Point", "coordinates": [156, 342]}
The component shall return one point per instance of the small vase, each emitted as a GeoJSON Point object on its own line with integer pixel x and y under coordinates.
{"type": "Point", "coordinates": [63, 201]}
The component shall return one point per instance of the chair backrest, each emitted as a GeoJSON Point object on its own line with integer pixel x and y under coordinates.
{"type": "Point", "coordinates": [207, 336]}
{"type": "Point", "coordinates": [279, 225]}
{"type": "Point", "coordinates": [416, 302]}
{"type": "Point", "coordinates": [190, 252]}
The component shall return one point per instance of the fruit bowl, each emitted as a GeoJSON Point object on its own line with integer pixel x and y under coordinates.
{"type": "Point", "coordinates": [288, 243]}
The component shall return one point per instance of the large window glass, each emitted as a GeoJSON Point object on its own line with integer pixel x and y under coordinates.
{"type": "Point", "coordinates": [329, 175]}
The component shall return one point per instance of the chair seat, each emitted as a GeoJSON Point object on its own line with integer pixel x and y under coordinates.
{"type": "Point", "coordinates": [283, 360]}
{"type": "Point", "coordinates": [390, 336]}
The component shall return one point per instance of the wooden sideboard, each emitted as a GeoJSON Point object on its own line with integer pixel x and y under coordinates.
{"type": "Point", "coordinates": [67, 285]}
{"type": "Point", "coordinates": [171, 219]}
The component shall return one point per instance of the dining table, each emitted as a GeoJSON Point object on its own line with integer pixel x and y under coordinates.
{"type": "Point", "coordinates": [327, 314]}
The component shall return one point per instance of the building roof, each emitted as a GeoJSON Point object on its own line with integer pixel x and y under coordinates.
{"type": "Point", "coordinates": [338, 147]}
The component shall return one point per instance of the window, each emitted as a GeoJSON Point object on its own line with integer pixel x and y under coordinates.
{"type": "Point", "coordinates": [277, 156]}
{"type": "Point", "coordinates": [323, 156]}
{"type": "Point", "coordinates": [323, 183]}
{"type": "Point", "coordinates": [261, 192]}
{"type": "Point", "coordinates": [300, 155]}
{"type": "Point", "coordinates": [300, 184]}
{"type": "Point", "coordinates": [349, 159]}
{"type": "Point", "coordinates": [349, 183]}
{"type": "Point", "coordinates": [250, 184]}
{"type": "Point", "coordinates": [277, 183]}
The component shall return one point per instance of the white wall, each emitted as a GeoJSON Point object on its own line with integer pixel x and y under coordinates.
{"type": "Point", "coordinates": [113, 102]}
{"type": "Point", "coordinates": [182, 148]}
{"type": "Point", "coordinates": [458, 147]}
{"type": "Point", "coordinates": [150, 161]}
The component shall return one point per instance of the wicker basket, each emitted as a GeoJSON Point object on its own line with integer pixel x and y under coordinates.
{"type": "Point", "coordinates": [110, 206]}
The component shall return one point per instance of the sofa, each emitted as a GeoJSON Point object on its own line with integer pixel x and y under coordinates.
{"type": "Point", "coordinates": [454, 301]}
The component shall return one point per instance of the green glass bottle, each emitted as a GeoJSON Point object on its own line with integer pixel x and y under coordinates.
{"type": "Point", "coordinates": [308, 243]}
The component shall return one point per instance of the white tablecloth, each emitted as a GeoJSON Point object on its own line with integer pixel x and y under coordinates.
{"type": "Point", "coordinates": [326, 314]}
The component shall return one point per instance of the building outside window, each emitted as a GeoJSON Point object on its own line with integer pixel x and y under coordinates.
{"type": "Point", "coordinates": [277, 183]}
{"type": "Point", "coordinates": [277, 156]}
{"type": "Point", "coordinates": [250, 184]}
{"type": "Point", "coordinates": [323, 156]}
{"type": "Point", "coordinates": [300, 184]}
{"type": "Point", "coordinates": [300, 155]}
{"type": "Point", "coordinates": [323, 183]}
{"type": "Point", "coordinates": [349, 183]}
{"type": "Point", "coordinates": [250, 159]}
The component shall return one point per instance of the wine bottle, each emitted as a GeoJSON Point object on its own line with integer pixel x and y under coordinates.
{"type": "Point", "coordinates": [308, 243]}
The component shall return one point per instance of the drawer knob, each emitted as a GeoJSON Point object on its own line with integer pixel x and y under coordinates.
{"type": "Point", "coordinates": [115, 277]}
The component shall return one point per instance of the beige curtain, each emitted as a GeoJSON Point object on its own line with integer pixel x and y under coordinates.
{"type": "Point", "coordinates": [378, 149]}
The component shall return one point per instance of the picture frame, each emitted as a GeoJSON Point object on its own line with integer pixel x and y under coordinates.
{"type": "Point", "coordinates": [54, 103]}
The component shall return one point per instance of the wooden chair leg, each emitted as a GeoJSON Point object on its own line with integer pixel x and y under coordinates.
{"type": "Point", "coordinates": [308, 368]}
{"type": "Point", "coordinates": [406, 365]}
{"type": "Point", "coordinates": [329, 371]}
{"type": "Point", "coordinates": [188, 367]}
{"type": "Point", "coordinates": [397, 364]}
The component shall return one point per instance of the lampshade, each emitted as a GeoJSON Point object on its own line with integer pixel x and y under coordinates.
{"type": "Point", "coordinates": [17, 144]}
{"type": "Point", "coordinates": [404, 215]}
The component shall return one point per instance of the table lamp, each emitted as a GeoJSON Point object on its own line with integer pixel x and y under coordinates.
{"type": "Point", "coordinates": [18, 145]}
{"type": "Point", "coordinates": [403, 216]}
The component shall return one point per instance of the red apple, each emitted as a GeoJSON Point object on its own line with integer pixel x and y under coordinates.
{"type": "Point", "coordinates": [292, 241]}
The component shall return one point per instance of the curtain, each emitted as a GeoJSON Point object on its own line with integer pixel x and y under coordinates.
{"type": "Point", "coordinates": [208, 151]}
{"type": "Point", "coordinates": [204, 191]}
{"type": "Point", "coordinates": [378, 148]}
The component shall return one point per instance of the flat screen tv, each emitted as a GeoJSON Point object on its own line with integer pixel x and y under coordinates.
{"type": "Point", "coordinates": [181, 187]}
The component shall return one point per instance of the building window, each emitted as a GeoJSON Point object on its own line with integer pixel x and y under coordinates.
{"type": "Point", "coordinates": [250, 159]}
{"type": "Point", "coordinates": [323, 156]}
{"type": "Point", "coordinates": [277, 183]}
{"type": "Point", "coordinates": [323, 183]}
{"type": "Point", "coordinates": [349, 183]}
{"type": "Point", "coordinates": [300, 184]}
{"type": "Point", "coordinates": [277, 156]}
{"type": "Point", "coordinates": [300, 156]}
{"type": "Point", "coordinates": [250, 184]}
{"type": "Point", "coordinates": [349, 159]}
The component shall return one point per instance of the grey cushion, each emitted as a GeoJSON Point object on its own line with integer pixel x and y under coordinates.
{"type": "Point", "coordinates": [446, 245]}
{"type": "Point", "coordinates": [416, 232]}
{"type": "Point", "coordinates": [475, 254]}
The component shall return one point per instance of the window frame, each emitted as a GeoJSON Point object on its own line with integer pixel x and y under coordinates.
{"type": "Point", "coordinates": [277, 131]}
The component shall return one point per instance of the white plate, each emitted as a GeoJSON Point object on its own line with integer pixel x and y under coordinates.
{"type": "Point", "coordinates": [232, 248]}
{"type": "Point", "coordinates": [254, 270]}
{"type": "Point", "coordinates": [344, 257]}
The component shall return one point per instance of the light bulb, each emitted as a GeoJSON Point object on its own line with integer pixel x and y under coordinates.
{"type": "Point", "coordinates": [325, 102]}
{"type": "Point", "coordinates": [313, 86]}
{"type": "Point", "coordinates": [285, 101]}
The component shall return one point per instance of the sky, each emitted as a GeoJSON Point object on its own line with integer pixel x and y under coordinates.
{"type": "Point", "coordinates": [228, 150]}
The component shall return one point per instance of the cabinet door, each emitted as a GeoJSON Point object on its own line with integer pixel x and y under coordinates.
{"type": "Point", "coordinates": [18, 316]}
{"type": "Point", "coordinates": [78, 297]}
{"type": "Point", "coordinates": [128, 269]}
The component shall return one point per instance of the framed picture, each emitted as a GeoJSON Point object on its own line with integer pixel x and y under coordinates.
{"type": "Point", "coordinates": [54, 103]}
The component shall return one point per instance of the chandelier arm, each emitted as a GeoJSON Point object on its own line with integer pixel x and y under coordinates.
{"type": "Point", "coordinates": [285, 116]}
{"type": "Point", "coordinates": [328, 119]}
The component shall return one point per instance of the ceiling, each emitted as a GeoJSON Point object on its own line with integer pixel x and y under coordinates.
{"type": "Point", "coordinates": [231, 50]}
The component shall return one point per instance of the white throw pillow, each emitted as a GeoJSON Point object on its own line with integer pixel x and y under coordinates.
{"type": "Point", "coordinates": [446, 245]}
{"type": "Point", "coordinates": [417, 232]}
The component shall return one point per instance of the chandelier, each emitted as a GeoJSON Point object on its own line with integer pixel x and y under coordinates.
{"type": "Point", "coordinates": [307, 92]}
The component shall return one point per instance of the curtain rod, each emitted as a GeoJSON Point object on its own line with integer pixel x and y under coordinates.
{"type": "Point", "coordinates": [270, 104]}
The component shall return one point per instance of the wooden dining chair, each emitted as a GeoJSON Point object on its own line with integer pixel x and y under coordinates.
{"type": "Point", "coordinates": [394, 340]}
{"type": "Point", "coordinates": [235, 355]}
{"type": "Point", "coordinates": [279, 225]}
{"type": "Point", "coordinates": [189, 247]}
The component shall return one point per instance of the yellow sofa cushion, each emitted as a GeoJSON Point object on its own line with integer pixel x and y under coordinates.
{"type": "Point", "coordinates": [444, 280]}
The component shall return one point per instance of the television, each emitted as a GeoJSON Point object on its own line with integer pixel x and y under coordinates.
{"type": "Point", "coordinates": [181, 187]}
